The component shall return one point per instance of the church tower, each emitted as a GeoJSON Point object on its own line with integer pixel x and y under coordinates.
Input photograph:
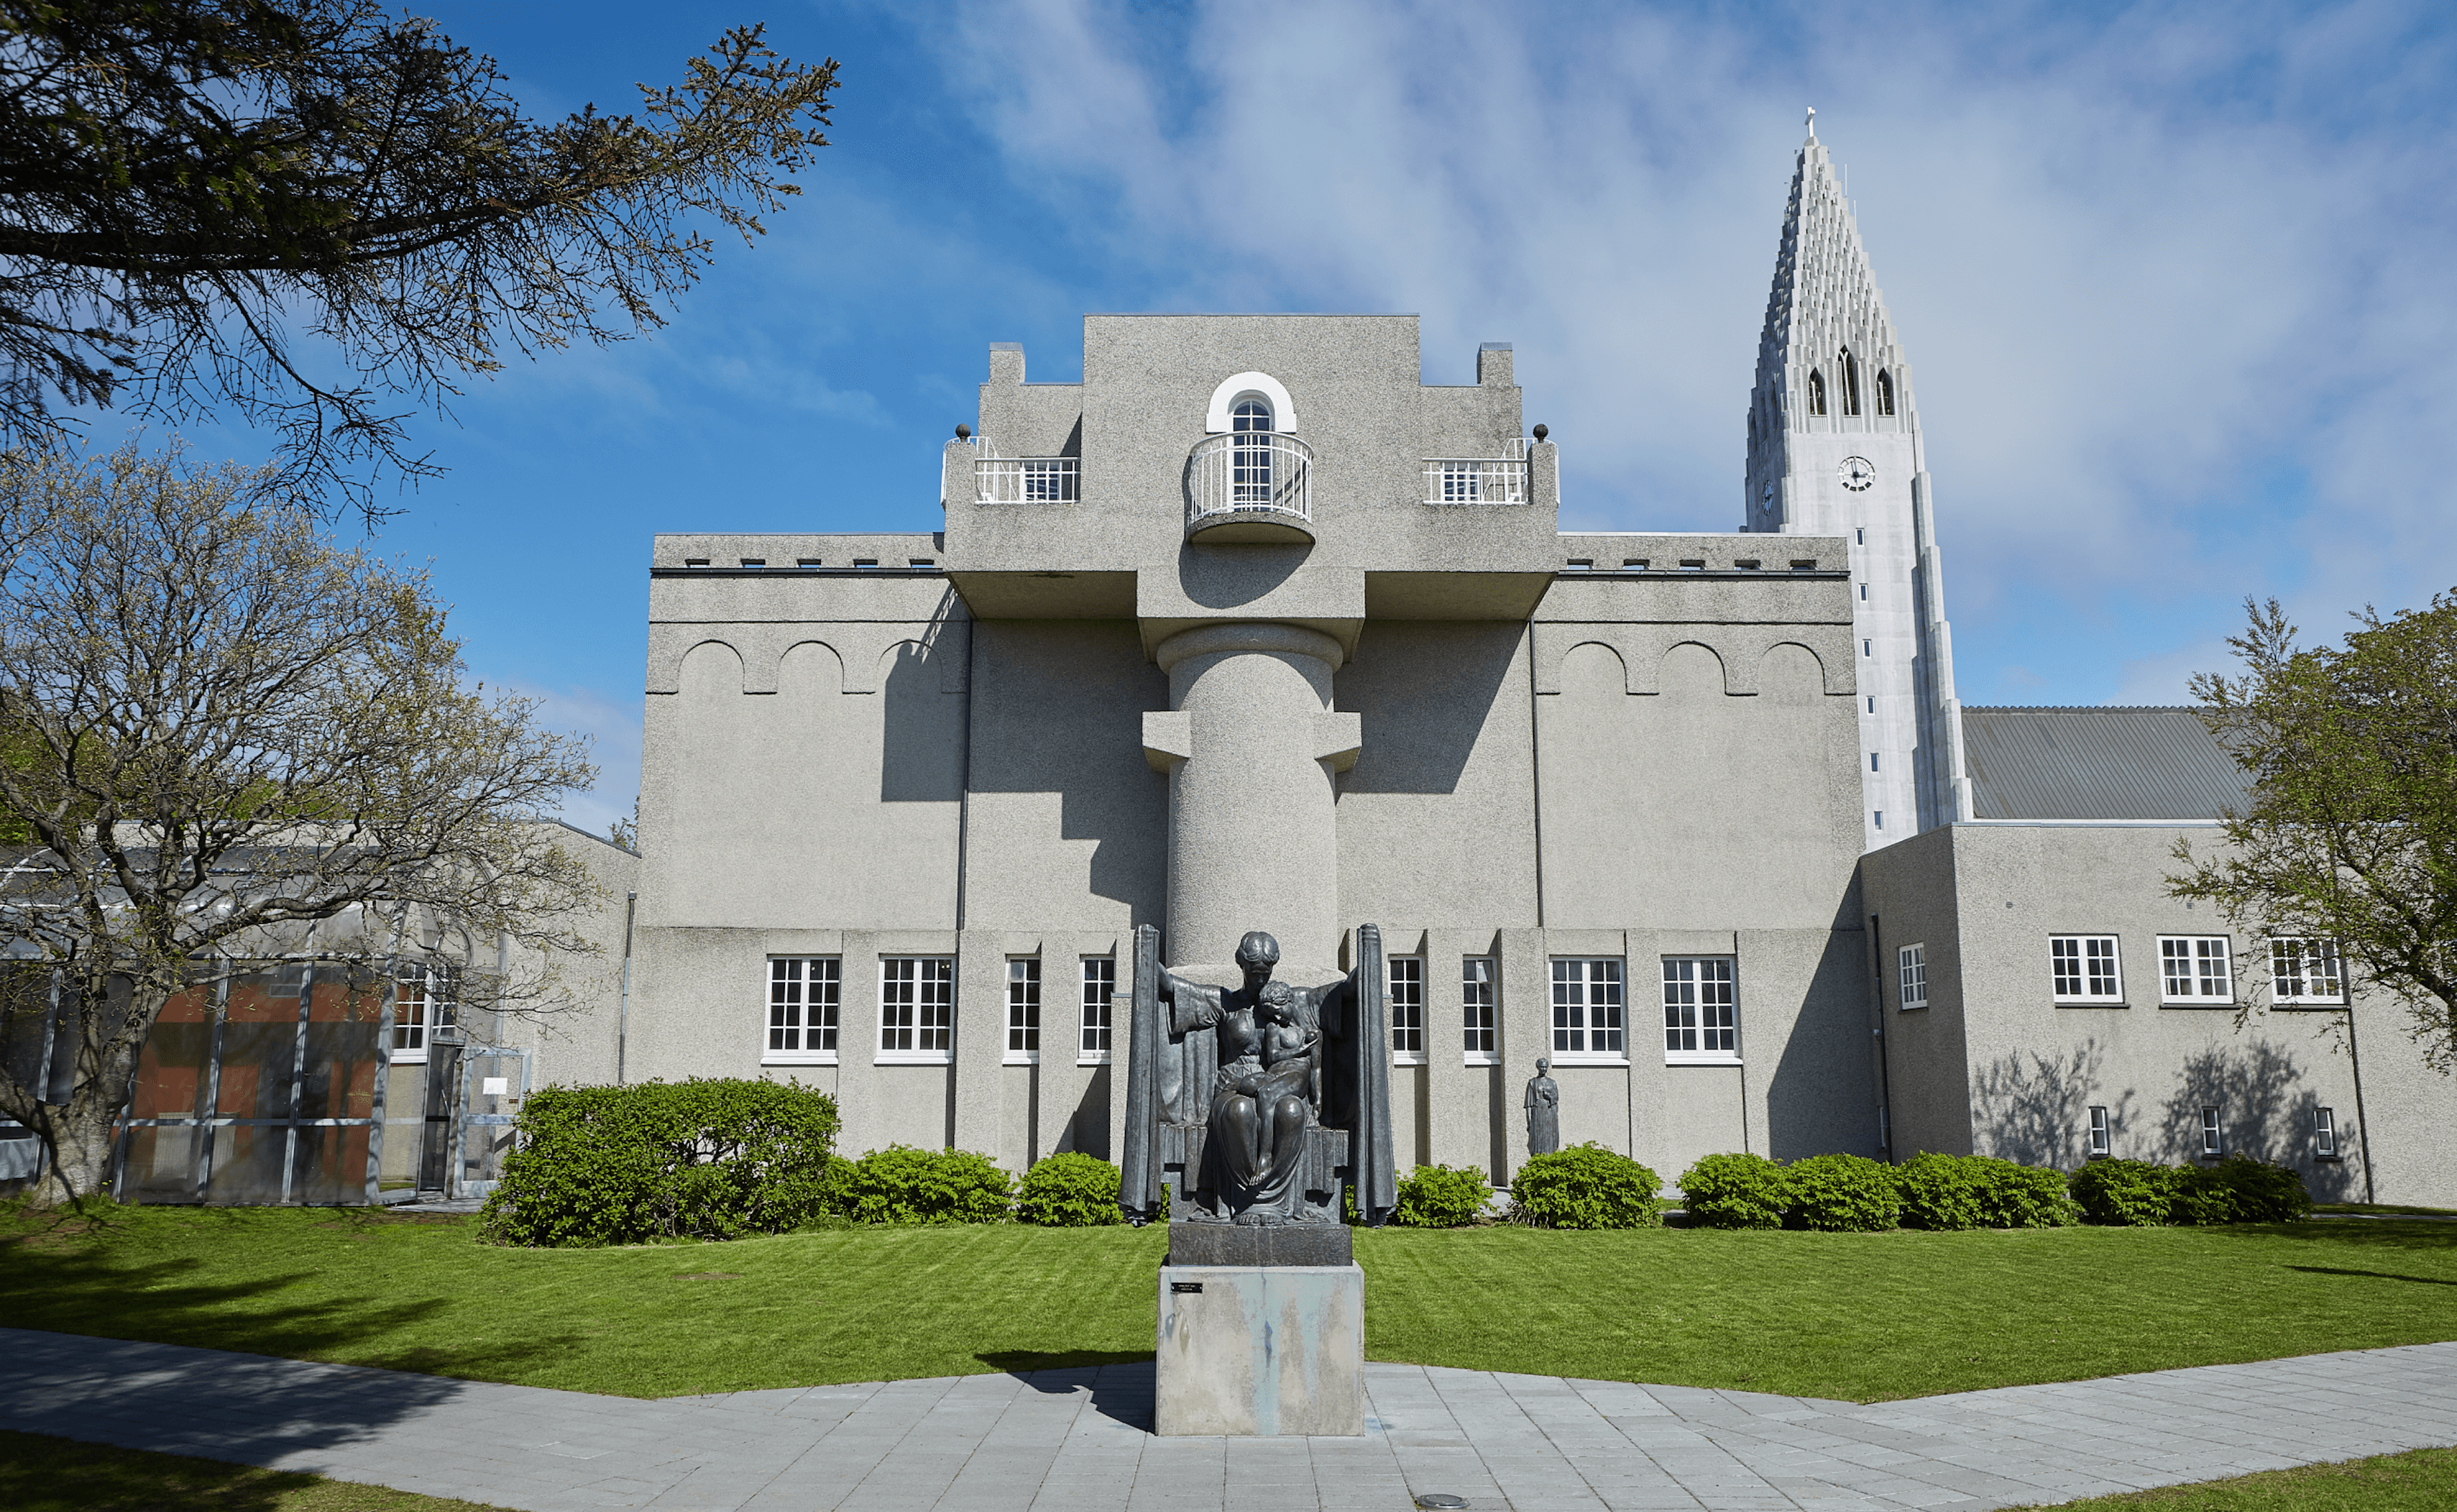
{"type": "Point", "coordinates": [1835, 449]}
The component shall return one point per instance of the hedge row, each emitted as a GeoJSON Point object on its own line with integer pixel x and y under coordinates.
{"type": "Point", "coordinates": [1852, 1193]}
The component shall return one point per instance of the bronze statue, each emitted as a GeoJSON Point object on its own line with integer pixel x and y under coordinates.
{"type": "Point", "coordinates": [1544, 1109]}
{"type": "Point", "coordinates": [1257, 1103]}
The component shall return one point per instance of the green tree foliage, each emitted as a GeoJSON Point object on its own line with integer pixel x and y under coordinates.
{"type": "Point", "coordinates": [903, 1184]}
{"type": "Point", "coordinates": [1069, 1190]}
{"type": "Point", "coordinates": [2351, 830]}
{"type": "Point", "coordinates": [706, 1159]}
{"type": "Point", "coordinates": [225, 732]}
{"type": "Point", "coordinates": [1585, 1186]}
{"type": "Point", "coordinates": [184, 184]}
{"type": "Point", "coordinates": [1442, 1197]}
{"type": "Point", "coordinates": [1736, 1191]}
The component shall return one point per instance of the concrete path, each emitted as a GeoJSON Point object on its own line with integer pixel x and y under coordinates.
{"type": "Point", "coordinates": [1076, 1441]}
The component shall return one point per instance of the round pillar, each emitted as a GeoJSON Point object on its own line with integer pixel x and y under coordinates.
{"type": "Point", "coordinates": [1252, 839]}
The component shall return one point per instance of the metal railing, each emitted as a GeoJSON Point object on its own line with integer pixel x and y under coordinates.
{"type": "Point", "coordinates": [1262, 474]}
{"type": "Point", "coordinates": [1026, 480]}
{"type": "Point", "coordinates": [1478, 480]}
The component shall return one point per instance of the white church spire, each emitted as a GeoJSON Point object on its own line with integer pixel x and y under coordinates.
{"type": "Point", "coordinates": [1834, 448]}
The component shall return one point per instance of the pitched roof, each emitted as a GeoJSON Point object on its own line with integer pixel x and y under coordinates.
{"type": "Point", "coordinates": [2097, 763]}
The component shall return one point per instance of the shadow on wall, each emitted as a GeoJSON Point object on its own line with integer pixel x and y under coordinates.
{"type": "Point", "coordinates": [1426, 691]}
{"type": "Point", "coordinates": [922, 756]}
{"type": "Point", "coordinates": [2261, 1113]}
{"type": "Point", "coordinates": [1822, 1096]}
{"type": "Point", "coordinates": [2034, 1110]}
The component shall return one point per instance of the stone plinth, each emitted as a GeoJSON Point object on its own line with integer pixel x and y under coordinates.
{"type": "Point", "coordinates": [1237, 1245]}
{"type": "Point", "coordinates": [1261, 1351]}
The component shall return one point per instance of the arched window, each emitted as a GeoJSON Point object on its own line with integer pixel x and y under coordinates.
{"type": "Point", "coordinates": [1250, 464]}
{"type": "Point", "coordinates": [1851, 383]}
{"type": "Point", "coordinates": [1885, 392]}
{"type": "Point", "coordinates": [1816, 392]}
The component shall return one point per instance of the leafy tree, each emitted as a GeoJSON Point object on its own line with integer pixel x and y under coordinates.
{"type": "Point", "coordinates": [228, 739]}
{"type": "Point", "coordinates": [185, 185]}
{"type": "Point", "coordinates": [2351, 830]}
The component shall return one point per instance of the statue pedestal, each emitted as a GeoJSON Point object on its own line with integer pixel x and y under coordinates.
{"type": "Point", "coordinates": [1261, 1351]}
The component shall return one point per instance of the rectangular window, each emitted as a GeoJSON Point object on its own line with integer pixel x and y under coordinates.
{"type": "Point", "coordinates": [1408, 1009]}
{"type": "Point", "coordinates": [2211, 1144]}
{"type": "Point", "coordinates": [2102, 1141]}
{"type": "Point", "coordinates": [1911, 961]}
{"type": "Point", "coordinates": [2325, 1132]}
{"type": "Point", "coordinates": [1701, 1009]}
{"type": "Point", "coordinates": [424, 999]}
{"type": "Point", "coordinates": [1022, 1010]}
{"type": "Point", "coordinates": [1872, 760]}
{"type": "Point", "coordinates": [1100, 985]}
{"type": "Point", "coordinates": [2085, 968]}
{"type": "Point", "coordinates": [916, 1007]}
{"type": "Point", "coordinates": [2194, 968]}
{"type": "Point", "coordinates": [2305, 971]}
{"type": "Point", "coordinates": [1480, 1000]}
{"type": "Point", "coordinates": [1587, 1008]}
{"type": "Point", "coordinates": [803, 995]}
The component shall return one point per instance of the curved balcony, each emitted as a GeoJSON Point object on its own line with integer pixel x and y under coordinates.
{"type": "Point", "coordinates": [1250, 485]}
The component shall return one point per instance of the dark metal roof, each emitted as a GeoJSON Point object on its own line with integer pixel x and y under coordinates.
{"type": "Point", "coordinates": [2097, 763]}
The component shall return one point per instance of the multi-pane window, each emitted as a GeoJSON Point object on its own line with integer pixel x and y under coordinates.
{"type": "Point", "coordinates": [803, 995]}
{"type": "Point", "coordinates": [2210, 1142]}
{"type": "Point", "coordinates": [1911, 961]}
{"type": "Point", "coordinates": [2194, 968]}
{"type": "Point", "coordinates": [1407, 985]}
{"type": "Point", "coordinates": [1479, 998]}
{"type": "Point", "coordinates": [1701, 1008]}
{"type": "Point", "coordinates": [2304, 971]}
{"type": "Point", "coordinates": [2325, 1132]}
{"type": "Point", "coordinates": [1049, 479]}
{"type": "Point", "coordinates": [2085, 968]}
{"type": "Point", "coordinates": [1587, 1008]}
{"type": "Point", "coordinates": [1100, 984]}
{"type": "Point", "coordinates": [2102, 1140]}
{"type": "Point", "coordinates": [1022, 1009]}
{"type": "Point", "coordinates": [424, 999]}
{"type": "Point", "coordinates": [917, 1006]}
{"type": "Point", "coordinates": [1250, 464]}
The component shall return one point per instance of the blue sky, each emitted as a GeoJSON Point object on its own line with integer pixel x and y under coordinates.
{"type": "Point", "coordinates": [2172, 279]}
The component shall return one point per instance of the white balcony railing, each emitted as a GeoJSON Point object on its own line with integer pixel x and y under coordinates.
{"type": "Point", "coordinates": [1249, 475]}
{"type": "Point", "coordinates": [1025, 480]}
{"type": "Point", "coordinates": [1478, 480]}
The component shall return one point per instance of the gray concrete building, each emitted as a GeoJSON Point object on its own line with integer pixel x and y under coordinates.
{"type": "Point", "coordinates": [1253, 629]}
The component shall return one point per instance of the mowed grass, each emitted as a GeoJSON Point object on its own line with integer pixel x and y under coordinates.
{"type": "Point", "coordinates": [2423, 1481]}
{"type": "Point", "coordinates": [43, 1474]}
{"type": "Point", "coordinates": [1857, 1317]}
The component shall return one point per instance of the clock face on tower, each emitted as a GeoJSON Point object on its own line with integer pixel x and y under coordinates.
{"type": "Point", "coordinates": [1857, 473]}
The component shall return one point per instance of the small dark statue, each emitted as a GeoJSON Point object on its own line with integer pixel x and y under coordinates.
{"type": "Point", "coordinates": [1256, 1104]}
{"type": "Point", "coordinates": [1544, 1109]}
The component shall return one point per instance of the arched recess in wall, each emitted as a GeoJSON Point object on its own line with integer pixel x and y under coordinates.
{"type": "Point", "coordinates": [1851, 367]}
{"type": "Point", "coordinates": [1690, 669]}
{"type": "Point", "coordinates": [1219, 418]}
{"type": "Point", "coordinates": [1792, 674]}
{"type": "Point", "coordinates": [1816, 392]}
{"type": "Point", "coordinates": [811, 669]}
{"type": "Point", "coordinates": [1885, 392]}
{"type": "Point", "coordinates": [710, 667]}
{"type": "Point", "coordinates": [921, 740]}
{"type": "Point", "coordinates": [1592, 669]}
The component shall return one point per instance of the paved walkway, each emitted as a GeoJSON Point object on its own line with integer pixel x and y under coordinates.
{"type": "Point", "coordinates": [1078, 1439]}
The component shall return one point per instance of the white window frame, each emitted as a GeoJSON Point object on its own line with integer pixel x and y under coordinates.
{"type": "Point", "coordinates": [2325, 1135]}
{"type": "Point", "coordinates": [417, 1011]}
{"type": "Point", "coordinates": [1691, 999]}
{"type": "Point", "coordinates": [2213, 1133]}
{"type": "Point", "coordinates": [1480, 1010]}
{"type": "Point", "coordinates": [1093, 1030]}
{"type": "Point", "coordinates": [2101, 1133]}
{"type": "Point", "coordinates": [810, 990]}
{"type": "Point", "coordinates": [2085, 954]}
{"type": "Point", "coordinates": [1406, 983]}
{"type": "Point", "coordinates": [1590, 1003]}
{"type": "Point", "coordinates": [2191, 972]}
{"type": "Point", "coordinates": [1022, 1011]}
{"type": "Point", "coordinates": [2295, 983]}
{"type": "Point", "coordinates": [917, 1003]}
{"type": "Point", "coordinates": [1910, 974]}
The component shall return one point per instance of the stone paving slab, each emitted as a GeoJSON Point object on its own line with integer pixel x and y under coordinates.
{"type": "Point", "coordinates": [1078, 1441]}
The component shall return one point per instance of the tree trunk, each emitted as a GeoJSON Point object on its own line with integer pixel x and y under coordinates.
{"type": "Point", "coordinates": [110, 1039]}
{"type": "Point", "coordinates": [81, 1132]}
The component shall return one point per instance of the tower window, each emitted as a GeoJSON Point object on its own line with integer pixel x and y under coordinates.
{"type": "Point", "coordinates": [1816, 392]}
{"type": "Point", "coordinates": [1850, 383]}
{"type": "Point", "coordinates": [1885, 392]}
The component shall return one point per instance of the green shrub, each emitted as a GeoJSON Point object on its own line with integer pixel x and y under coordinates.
{"type": "Point", "coordinates": [1069, 1190]}
{"type": "Point", "coordinates": [2200, 1195]}
{"type": "Point", "coordinates": [2264, 1192]}
{"type": "Point", "coordinates": [1442, 1197]}
{"type": "Point", "coordinates": [2124, 1193]}
{"type": "Point", "coordinates": [708, 1159]}
{"type": "Point", "coordinates": [1736, 1191]}
{"type": "Point", "coordinates": [2016, 1196]}
{"type": "Point", "coordinates": [1585, 1186]}
{"type": "Point", "coordinates": [1844, 1195]}
{"type": "Point", "coordinates": [1941, 1192]}
{"type": "Point", "coordinates": [903, 1184]}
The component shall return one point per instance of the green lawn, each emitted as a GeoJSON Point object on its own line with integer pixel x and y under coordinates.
{"type": "Point", "coordinates": [43, 1474]}
{"type": "Point", "coordinates": [1859, 1316]}
{"type": "Point", "coordinates": [2424, 1480]}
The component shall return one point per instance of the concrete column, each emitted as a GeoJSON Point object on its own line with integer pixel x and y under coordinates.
{"type": "Point", "coordinates": [1251, 744]}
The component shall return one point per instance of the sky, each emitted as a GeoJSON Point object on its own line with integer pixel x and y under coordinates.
{"type": "Point", "coordinates": [2172, 280]}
